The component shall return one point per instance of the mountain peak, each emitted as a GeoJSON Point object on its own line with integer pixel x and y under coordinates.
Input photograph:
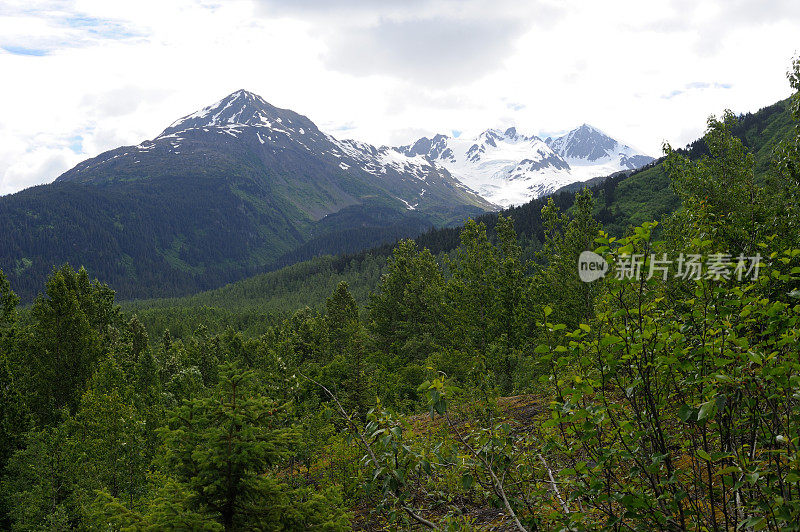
{"type": "Point", "coordinates": [492, 136]}
{"type": "Point", "coordinates": [587, 144]}
{"type": "Point", "coordinates": [246, 97]}
{"type": "Point", "coordinates": [244, 92]}
{"type": "Point", "coordinates": [589, 128]}
{"type": "Point", "coordinates": [509, 166]}
{"type": "Point", "coordinates": [239, 108]}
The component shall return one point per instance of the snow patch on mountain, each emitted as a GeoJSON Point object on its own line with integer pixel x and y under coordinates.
{"type": "Point", "coordinates": [505, 167]}
{"type": "Point", "coordinates": [591, 153]}
{"type": "Point", "coordinates": [508, 167]}
{"type": "Point", "coordinates": [246, 123]}
{"type": "Point", "coordinates": [377, 161]}
{"type": "Point", "coordinates": [243, 108]}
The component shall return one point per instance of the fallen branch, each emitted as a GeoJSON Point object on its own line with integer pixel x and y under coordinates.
{"type": "Point", "coordinates": [564, 504]}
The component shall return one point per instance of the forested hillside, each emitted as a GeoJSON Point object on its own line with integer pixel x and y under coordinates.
{"type": "Point", "coordinates": [238, 188]}
{"type": "Point", "coordinates": [476, 385]}
{"type": "Point", "coordinates": [622, 201]}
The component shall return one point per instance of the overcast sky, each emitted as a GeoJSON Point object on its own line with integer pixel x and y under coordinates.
{"type": "Point", "coordinates": [81, 77]}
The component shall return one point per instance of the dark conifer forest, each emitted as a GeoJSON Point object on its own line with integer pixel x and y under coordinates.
{"type": "Point", "coordinates": [465, 379]}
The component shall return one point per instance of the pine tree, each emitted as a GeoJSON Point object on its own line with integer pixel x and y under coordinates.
{"type": "Point", "coordinates": [70, 323]}
{"type": "Point", "coordinates": [347, 349]}
{"type": "Point", "coordinates": [557, 284]}
{"type": "Point", "coordinates": [13, 413]}
{"type": "Point", "coordinates": [509, 306]}
{"type": "Point", "coordinates": [406, 311]}
{"type": "Point", "coordinates": [472, 292]}
{"type": "Point", "coordinates": [222, 448]}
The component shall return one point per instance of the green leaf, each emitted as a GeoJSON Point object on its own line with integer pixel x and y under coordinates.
{"type": "Point", "coordinates": [707, 410]}
{"type": "Point", "coordinates": [426, 466]}
{"type": "Point", "coordinates": [754, 523]}
{"type": "Point", "coordinates": [704, 455]}
{"type": "Point", "coordinates": [685, 413]}
{"type": "Point", "coordinates": [755, 358]}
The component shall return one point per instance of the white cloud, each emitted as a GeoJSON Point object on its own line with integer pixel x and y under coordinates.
{"type": "Point", "coordinates": [435, 51]}
{"type": "Point", "coordinates": [34, 167]}
{"type": "Point", "coordinates": [89, 75]}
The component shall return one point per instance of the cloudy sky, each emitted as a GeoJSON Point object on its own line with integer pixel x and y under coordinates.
{"type": "Point", "coordinates": [80, 77]}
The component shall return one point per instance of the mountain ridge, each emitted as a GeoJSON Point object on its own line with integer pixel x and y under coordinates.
{"type": "Point", "coordinates": [510, 168]}
{"type": "Point", "coordinates": [230, 190]}
{"type": "Point", "coordinates": [271, 135]}
{"type": "Point", "coordinates": [627, 199]}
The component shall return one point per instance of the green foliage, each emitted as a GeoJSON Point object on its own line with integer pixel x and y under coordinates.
{"type": "Point", "coordinates": [38, 486]}
{"type": "Point", "coordinates": [111, 442]}
{"type": "Point", "coordinates": [51, 479]}
{"type": "Point", "coordinates": [347, 341]}
{"type": "Point", "coordinates": [558, 284]}
{"type": "Point", "coordinates": [485, 298]}
{"type": "Point", "coordinates": [405, 311]}
{"type": "Point", "coordinates": [68, 333]}
{"type": "Point", "coordinates": [8, 304]}
{"type": "Point", "coordinates": [220, 447]}
{"type": "Point", "coordinates": [13, 412]}
{"type": "Point", "coordinates": [627, 403]}
{"type": "Point", "coordinates": [720, 198]}
{"type": "Point", "coordinates": [691, 436]}
{"type": "Point", "coordinates": [169, 508]}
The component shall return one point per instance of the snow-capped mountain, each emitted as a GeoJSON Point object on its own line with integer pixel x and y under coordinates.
{"type": "Point", "coordinates": [510, 168]}
{"type": "Point", "coordinates": [270, 124]}
{"type": "Point", "coordinates": [591, 153]}
{"type": "Point", "coordinates": [437, 176]}
{"type": "Point", "coordinates": [237, 187]}
{"type": "Point", "coordinates": [286, 143]}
